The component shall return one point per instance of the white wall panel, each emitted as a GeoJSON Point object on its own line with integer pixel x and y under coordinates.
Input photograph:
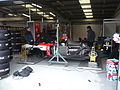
{"type": "Point", "coordinates": [81, 31]}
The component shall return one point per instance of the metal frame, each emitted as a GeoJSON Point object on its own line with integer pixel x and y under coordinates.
{"type": "Point", "coordinates": [114, 21]}
{"type": "Point", "coordinates": [57, 54]}
{"type": "Point", "coordinates": [30, 14]}
{"type": "Point", "coordinates": [109, 21]}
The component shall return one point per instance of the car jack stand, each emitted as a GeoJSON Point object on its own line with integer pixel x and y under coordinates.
{"type": "Point", "coordinates": [57, 54]}
{"type": "Point", "coordinates": [58, 61]}
{"type": "Point", "coordinates": [25, 60]}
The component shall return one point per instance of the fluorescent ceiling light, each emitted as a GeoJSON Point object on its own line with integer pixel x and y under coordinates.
{"type": "Point", "coordinates": [86, 6]}
{"type": "Point", "coordinates": [36, 5]}
{"type": "Point", "coordinates": [34, 9]}
{"type": "Point", "coordinates": [15, 15]}
{"type": "Point", "coordinates": [41, 13]}
{"type": "Point", "coordinates": [25, 15]}
{"type": "Point", "coordinates": [87, 10]}
{"type": "Point", "coordinates": [52, 14]}
{"type": "Point", "coordinates": [39, 6]}
{"type": "Point", "coordinates": [18, 2]}
{"type": "Point", "coordinates": [88, 14]}
{"type": "Point", "coordinates": [27, 5]}
{"type": "Point", "coordinates": [10, 14]}
{"type": "Point", "coordinates": [84, 1]}
{"type": "Point", "coordinates": [50, 17]}
{"type": "Point", "coordinates": [46, 15]}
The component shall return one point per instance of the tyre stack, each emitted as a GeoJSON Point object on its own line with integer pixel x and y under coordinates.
{"type": "Point", "coordinates": [4, 53]}
{"type": "Point", "coordinates": [16, 41]}
{"type": "Point", "coordinates": [10, 44]}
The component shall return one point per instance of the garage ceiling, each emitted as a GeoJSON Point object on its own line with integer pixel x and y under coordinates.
{"type": "Point", "coordinates": [71, 10]}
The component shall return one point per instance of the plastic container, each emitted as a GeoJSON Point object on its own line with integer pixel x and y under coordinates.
{"type": "Point", "coordinates": [112, 69]}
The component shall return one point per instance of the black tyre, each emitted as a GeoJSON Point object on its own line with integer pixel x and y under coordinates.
{"type": "Point", "coordinates": [9, 35]}
{"type": "Point", "coordinates": [16, 50]}
{"type": "Point", "coordinates": [16, 44]}
{"type": "Point", "coordinates": [4, 53]}
{"type": "Point", "coordinates": [15, 35]}
{"type": "Point", "coordinates": [3, 36]}
{"type": "Point", "coordinates": [16, 40]}
{"type": "Point", "coordinates": [9, 40]}
{"type": "Point", "coordinates": [3, 31]}
{"type": "Point", "coordinates": [4, 66]}
{"type": "Point", "coordinates": [5, 57]}
{"type": "Point", "coordinates": [4, 73]}
{"type": "Point", "coordinates": [4, 45]}
{"type": "Point", "coordinates": [5, 60]}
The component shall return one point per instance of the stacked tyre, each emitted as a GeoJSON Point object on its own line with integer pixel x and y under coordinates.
{"type": "Point", "coordinates": [4, 53]}
{"type": "Point", "coordinates": [16, 41]}
{"type": "Point", "coordinates": [10, 44]}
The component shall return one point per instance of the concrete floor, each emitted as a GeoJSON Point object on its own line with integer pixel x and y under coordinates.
{"type": "Point", "coordinates": [56, 77]}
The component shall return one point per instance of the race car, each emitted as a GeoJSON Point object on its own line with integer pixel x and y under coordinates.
{"type": "Point", "coordinates": [74, 50]}
{"type": "Point", "coordinates": [70, 50]}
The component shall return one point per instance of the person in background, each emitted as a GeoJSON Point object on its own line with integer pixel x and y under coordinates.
{"type": "Point", "coordinates": [80, 40]}
{"type": "Point", "coordinates": [84, 40]}
{"type": "Point", "coordinates": [28, 36]}
{"type": "Point", "coordinates": [90, 36]}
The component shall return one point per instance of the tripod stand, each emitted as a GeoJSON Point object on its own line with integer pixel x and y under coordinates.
{"type": "Point", "coordinates": [57, 54]}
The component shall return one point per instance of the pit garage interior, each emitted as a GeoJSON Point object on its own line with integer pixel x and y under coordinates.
{"type": "Point", "coordinates": [58, 55]}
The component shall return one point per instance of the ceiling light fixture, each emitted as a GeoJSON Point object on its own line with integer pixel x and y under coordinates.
{"type": "Point", "coordinates": [18, 2]}
{"type": "Point", "coordinates": [41, 13]}
{"type": "Point", "coordinates": [15, 15]}
{"type": "Point", "coordinates": [34, 9]}
{"type": "Point", "coordinates": [86, 6]}
{"type": "Point", "coordinates": [36, 5]}
{"type": "Point", "coordinates": [87, 10]}
{"type": "Point", "coordinates": [52, 14]}
{"type": "Point", "coordinates": [50, 17]}
{"type": "Point", "coordinates": [46, 15]}
{"type": "Point", "coordinates": [84, 1]}
{"type": "Point", "coordinates": [27, 6]}
{"type": "Point", "coordinates": [89, 16]}
{"type": "Point", "coordinates": [10, 14]}
{"type": "Point", "coordinates": [25, 15]}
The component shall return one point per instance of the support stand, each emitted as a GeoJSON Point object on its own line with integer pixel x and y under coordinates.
{"type": "Point", "coordinates": [29, 14]}
{"type": "Point", "coordinates": [118, 81]}
{"type": "Point", "coordinates": [57, 54]}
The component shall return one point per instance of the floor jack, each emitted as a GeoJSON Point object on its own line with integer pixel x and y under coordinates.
{"type": "Point", "coordinates": [24, 57]}
{"type": "Point", "coordinates": [92, 65]}
{"type": "Point", "coordinates": [93, 55]}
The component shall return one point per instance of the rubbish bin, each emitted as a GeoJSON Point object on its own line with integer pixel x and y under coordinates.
{"type": "Point", "coordinates": [112, 69]}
